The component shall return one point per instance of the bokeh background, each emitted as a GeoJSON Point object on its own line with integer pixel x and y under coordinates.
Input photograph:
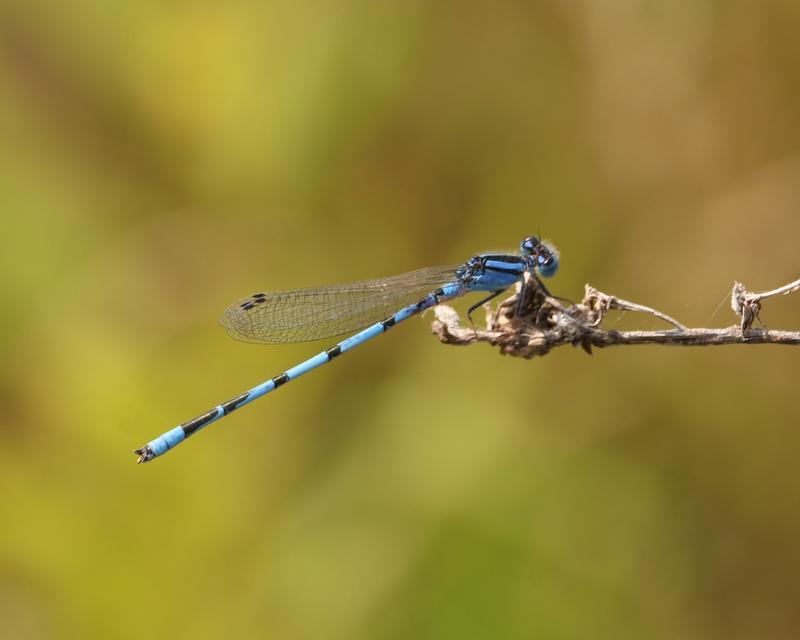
{"type": "Point", "coordinates": [159, 160]}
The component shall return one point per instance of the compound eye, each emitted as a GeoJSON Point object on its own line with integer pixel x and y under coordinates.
{"type": "Point", "coordinates": [548, 264]}
{"type": "Point", "coordinates": [530, 244]}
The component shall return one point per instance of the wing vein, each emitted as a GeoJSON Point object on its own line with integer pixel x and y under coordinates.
{"type": "Point", "coordinates": [301, 315]}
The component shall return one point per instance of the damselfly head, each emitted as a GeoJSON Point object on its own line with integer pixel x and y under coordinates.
{"type": "Point", "coordinates": [544, 254]}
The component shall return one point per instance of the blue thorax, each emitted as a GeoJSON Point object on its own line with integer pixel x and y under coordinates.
{"type": "Point", "coordinates": [492, 272]}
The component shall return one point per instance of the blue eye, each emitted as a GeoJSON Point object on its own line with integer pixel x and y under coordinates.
{"type": "Point", "coordinates": [549, 268]}
{"type": "Point", "coordinates": [544, 254]}
{"type": "Point", "coordinates": [530, 244]}
{"type": "Point", "coordinates": [547, 261]}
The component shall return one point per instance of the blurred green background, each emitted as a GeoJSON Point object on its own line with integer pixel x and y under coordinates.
{"type": "Point", "coordinates": [160, 160]}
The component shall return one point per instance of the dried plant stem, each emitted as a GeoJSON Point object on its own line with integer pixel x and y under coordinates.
{"type": "Point", "coordinates": [546, 322]}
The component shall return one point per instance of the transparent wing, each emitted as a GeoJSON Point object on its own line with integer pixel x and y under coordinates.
{"type": "Point", "coordinates": [301, 315]}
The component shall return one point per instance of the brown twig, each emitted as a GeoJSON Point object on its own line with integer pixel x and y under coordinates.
{"type": "Point", "coordinates": [538, 323]}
